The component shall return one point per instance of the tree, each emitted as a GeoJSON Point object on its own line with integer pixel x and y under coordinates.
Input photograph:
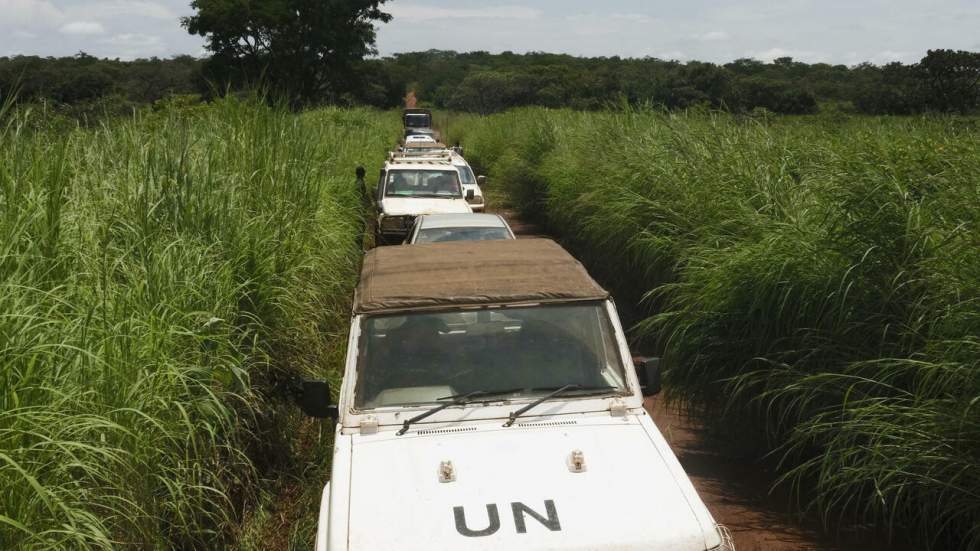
{"type": "Point", "coordinates": [952, 78]}
{"type": "Point", "coordinates": [306, 49]}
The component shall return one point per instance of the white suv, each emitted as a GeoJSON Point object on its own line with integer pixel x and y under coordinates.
{"type": "Point", "coordinates": [408, 187]}
{"type": "Point", "coordinates": [490, 401]}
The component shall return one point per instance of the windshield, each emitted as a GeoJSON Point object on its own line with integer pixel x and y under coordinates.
{"type": "Point", "coordinates": [436, 235]}
{"type": "Point", "coordinates": [417, 121]}
{"type": "Point", "coordinates": [417, 358]}
{"type": "Point", "coordinates": [466, 175]}
{"type": "Point", "coordinates": [423, 183]}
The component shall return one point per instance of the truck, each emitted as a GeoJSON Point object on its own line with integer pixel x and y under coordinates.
{"type": "Point", "coordinates": [409, 186]}
{"type": "Point", "coordinates": [418, 122]}
{"type": "Point", "coordinates": [490, 401]}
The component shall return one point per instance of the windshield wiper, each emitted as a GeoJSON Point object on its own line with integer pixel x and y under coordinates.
{"type": "Point", "coordinates": [554, 393]}
{"type": "Point", "coordinates": [456, 400]}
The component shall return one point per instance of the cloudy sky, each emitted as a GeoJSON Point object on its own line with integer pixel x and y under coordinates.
{"type": "Point", "coordinates": [835, 31]}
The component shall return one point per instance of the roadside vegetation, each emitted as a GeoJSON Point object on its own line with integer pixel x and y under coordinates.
{"type": "Point", "coordinates": [82, 86]}
{"type": "Point", "coordinates": [162, 277]}
{"type": "Point", "coordinates": [813, 284]}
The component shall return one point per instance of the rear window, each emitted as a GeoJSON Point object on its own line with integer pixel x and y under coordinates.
{"type": "Point", "coordinates": [438, 235]}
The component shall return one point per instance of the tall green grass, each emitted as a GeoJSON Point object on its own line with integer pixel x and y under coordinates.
{"type": "Point", "coordinates": [160, 276]}
{"type": "Point", "coordinates": [813, 283]}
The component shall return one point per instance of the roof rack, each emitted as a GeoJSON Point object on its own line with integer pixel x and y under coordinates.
{"type": "Point", "coordinates": [438, 155]}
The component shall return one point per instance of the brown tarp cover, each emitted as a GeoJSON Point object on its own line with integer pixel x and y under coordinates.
{"type": "Point", "coordinates": [471, 273]}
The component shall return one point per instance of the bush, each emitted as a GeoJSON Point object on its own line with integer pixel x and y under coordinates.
{"type": "Point", "coordinates": [157, 275]}
{"type": "Point", "coordinates": [812, 283]}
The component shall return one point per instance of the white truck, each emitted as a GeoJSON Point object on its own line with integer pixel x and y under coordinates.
{"type": "Point", "coordinates": [490, 401]}
{"type": "Point", "coordinates": [409, 186]}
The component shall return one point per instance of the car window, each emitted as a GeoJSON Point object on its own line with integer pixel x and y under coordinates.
{"type": "Point", "coordinates": [466, 176]}
{"type": "Point", "coordinates": [423, 183]}
{"type": "Point", "coordinates": [436, 235]}
{"type": "Point", "coordinates": [420, 357]}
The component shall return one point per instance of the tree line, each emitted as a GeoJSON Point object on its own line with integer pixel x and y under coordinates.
{"type": "Point", "coordinates": [481, 82]}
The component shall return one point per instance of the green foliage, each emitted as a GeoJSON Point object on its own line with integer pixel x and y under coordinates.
{"type": "Point", "coordinates": [951, 79]}
{"type": "Point", "coordinates": [304, 50]}
{"type": "Point", "coordinates": [813, 284]}
{"type": "Point", "coordinates": [160, 277]}
{"type": "Point", "coordinates": [480, 82]}
{"type": "Point", "coordinates": [82, 78]}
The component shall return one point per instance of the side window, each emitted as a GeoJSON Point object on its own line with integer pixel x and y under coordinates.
{"type": "Point", "coordinates": [378, 193]}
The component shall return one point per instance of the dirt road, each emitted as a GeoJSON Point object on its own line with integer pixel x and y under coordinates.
{"type": "Point", "coordinates": [735, 490]}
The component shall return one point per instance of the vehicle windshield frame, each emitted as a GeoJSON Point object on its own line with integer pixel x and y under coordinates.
{"type": "Point", "coordinates": [616, 362]}
{"type": "Point", "coordinates": [414, 174]}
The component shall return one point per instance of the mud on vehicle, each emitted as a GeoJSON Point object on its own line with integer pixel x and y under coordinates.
{"type": "Point", "coordinates": [490, 401]}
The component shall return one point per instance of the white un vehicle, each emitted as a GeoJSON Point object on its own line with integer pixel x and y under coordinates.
{"type": "Point", "coordinates": [409, 186]}
{"type": "Point", "coordinates": [490, 402]}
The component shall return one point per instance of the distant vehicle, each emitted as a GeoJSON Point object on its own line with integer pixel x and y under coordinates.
{"type": "Point", "coordinates": [408, 187]}
{"type": "Point", "coordinates": [490, 401]}
{"type": "Point", "coordinates": [418, 122]}
{"type": "Point", "coordinates": [437, 228]}
{"type": "Point", "coordinates": [417, 118]}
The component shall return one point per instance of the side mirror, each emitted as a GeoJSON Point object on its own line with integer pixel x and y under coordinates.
{"type": "Point", "coordinates": [314, 400]}
{"type": "Point", "coordinates": [481, 181]}
{"type": "Point", "coordinates": [470, 194]}
{"type": "Point", "coordinates": [648, 372]}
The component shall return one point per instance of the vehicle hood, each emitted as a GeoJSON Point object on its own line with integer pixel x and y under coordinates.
{"type": "Point", "coordinates": [396, 206]}
{"type": "Point", "coordinates": [627, 497]}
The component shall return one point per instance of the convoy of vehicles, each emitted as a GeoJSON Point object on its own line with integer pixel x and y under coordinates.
{"type": "Point", "coordinates": [437, 228]}
{"type": "Point", "coordinates": [489, 397]}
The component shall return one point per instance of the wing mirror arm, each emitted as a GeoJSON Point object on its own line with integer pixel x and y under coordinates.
{"type": "Point", "coordinates": [648, 373]}
{"type": "Point", "coordinates": [314, 400]}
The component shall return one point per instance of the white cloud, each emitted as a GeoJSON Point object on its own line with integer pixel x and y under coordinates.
{"type": "Point", "coordinates": [24, 34]}
{"type": "Point", "coordinates": [807, 56]}
{"type": "Point", "coordinates": [133, 45]}
{"type": "Point", "coordinates": [428, 13]}
{"type": "Point", "coordinates": [126, 8]}
{"type": "Point", "coordinates": [23, 13]}
{"type": "Point", "coordinates": [712, 36]}
{"type": "Point", "coordinates": [82, 28]}
{"type": "Point", "coordinates": [887, 56]}
{"type": "Point", "coordinates": [593, 24]}
{"type": "Point", "coordinates": [671, 55]}
{"type": "Point", "coordinates": [640, 18]}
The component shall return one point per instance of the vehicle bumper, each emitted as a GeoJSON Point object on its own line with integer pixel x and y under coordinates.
{"type": "Point", "coordinates": [394, 229]}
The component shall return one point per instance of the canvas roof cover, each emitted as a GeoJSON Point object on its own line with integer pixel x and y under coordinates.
{"type": "Point", "coordinates": [471, 273]}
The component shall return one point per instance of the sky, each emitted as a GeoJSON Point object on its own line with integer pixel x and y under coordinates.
{"type": "Point", "coordinates": [831, 31]}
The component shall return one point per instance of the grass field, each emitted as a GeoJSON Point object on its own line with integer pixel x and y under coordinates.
{"type": "Point", "coordinates": [160, 277]}
{"type": "Point", "coordinates": [813, 283]}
